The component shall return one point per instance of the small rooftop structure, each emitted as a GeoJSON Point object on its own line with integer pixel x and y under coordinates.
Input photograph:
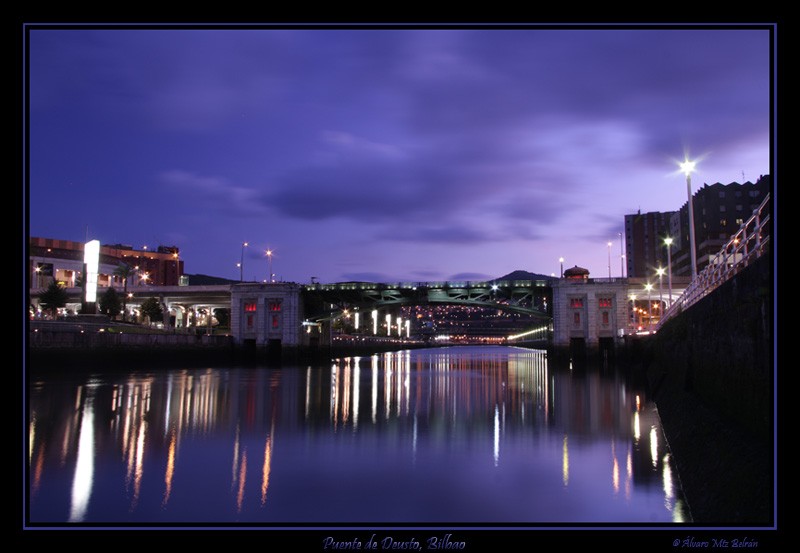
{"type": "Point", "coordinates": [576, 273]}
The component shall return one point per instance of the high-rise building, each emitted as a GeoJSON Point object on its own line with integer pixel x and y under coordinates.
{"type": "Point", "coordinates": [644, 242]}
{"type": "Point", "coordinates": [719, 211]}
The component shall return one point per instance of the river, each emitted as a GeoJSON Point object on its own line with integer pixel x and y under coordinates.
{"type": "Point", "coordinates": [453, 435]}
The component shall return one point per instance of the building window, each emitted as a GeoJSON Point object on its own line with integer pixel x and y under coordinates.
{"type": "Point", "coordinates": [250, 321]}
{"type": "Point", "coordinates": [721, 193]}
{"type": "Point", "coordinates": [576, 302]}
{"type": "Point", "coordinates": [274, 306]}
{"type": "Point", "coordinates": [739, 221]}
{"type": "Point", "coordinates": [604, 302]}
{"type": "Point", "coordinates": [249, 306]}
{"type": "Point", "coordinates": [605, 318]}
{"type": "Point", "coordinates": [722, 208]}
{"type": "Point", "coordinates": [276, 321]}
{"type": "Point", "coordinates": [738, 207]}
{"type": "Point", "coordinates": [754, 193]}
{"type": "Point", "coordinates": [576, 319]}
{"type": "Point", "coordinates": [723, 222]}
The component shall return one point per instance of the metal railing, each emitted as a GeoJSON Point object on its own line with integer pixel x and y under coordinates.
{"type": "Point", "coordinates": [744, 247]}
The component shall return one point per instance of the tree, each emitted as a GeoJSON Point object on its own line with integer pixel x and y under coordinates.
{"type": "Point", "coordinates": [53, 297]}
{"type": "Point", "coordinates": [124, 271]}
{"type": "Point", "coordinates": [110, 303]}
{"type": "Point", "coordinates": [223, 316]}
{"type": "Point", "coordinates": [151, 309]}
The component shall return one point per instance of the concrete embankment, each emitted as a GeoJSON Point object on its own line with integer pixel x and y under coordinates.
{"type": "Point", "coordinates": [710, 371]}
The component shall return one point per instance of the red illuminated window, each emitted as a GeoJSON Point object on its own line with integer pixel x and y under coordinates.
{"type": "Point", "coordinates": [605, 317]}
{"type": "Point", "coordinates": [249, 306]}
{"type": "Point", "coordinates": [576, 302]}
{"type": "Point", "coordinates": [604, 302]}
{"type": "Point", "coordinates": [276, 321]}
{"type": "Point", "coordinates": [274, 306]}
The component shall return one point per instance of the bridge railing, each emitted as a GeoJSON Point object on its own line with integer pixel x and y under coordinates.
{"type": "Point", "coordinates": [744, 247]}
{"type": "Point", "coordinates": [437, 284]}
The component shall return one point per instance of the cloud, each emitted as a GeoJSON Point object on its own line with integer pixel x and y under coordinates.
{"type": "Point", "coordinates": [217, 192]}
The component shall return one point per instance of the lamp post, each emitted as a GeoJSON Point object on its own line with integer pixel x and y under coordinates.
{"type": "Point", "coordinates": [38, 271]}
{"type": "Point", "coordinates": [668, 242]}
{"type": "Point", "coordinates": [621, 257]}
{"type": "Point", "coordinates": [269, 260]}
{"type": "Point", "coordinates": [660, 272]}
{"type": "Point", "coordinates": [649, 287]}
{"type": "Point", "coordinates": [561, 260]}
{"type": "Point", "coordinates": [609, 259]}
{"type": "Point", "coordinates": [241, 263]}
{"type": "Point", "coordinates": [687, 167]}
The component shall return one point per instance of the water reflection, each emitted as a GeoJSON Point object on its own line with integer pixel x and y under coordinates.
{"type": "Point", "coordinates": [451, 434]}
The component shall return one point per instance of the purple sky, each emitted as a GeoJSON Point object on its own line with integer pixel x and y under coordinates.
{"type": "Point", "coordinates": [391, 154]}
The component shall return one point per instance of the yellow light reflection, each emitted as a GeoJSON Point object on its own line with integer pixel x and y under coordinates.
{"type": "Point", "coordinates": [637, 432]}
{"type": "Point", "coordinates": [654, 446]}
{"type": "Point", "coordinates": [242, 478]}
{"type": "Point", "coordinates": [629, 479]}
{"type": "Point", "coordinates": [235, 464]}
{"type": "Point", "coordinates": [31, 437]}
{"type": "Point", "coordinates": [565, 461]}
{"type": "Point", "coordinates": [614, 468]}
{"type": "Point", "coordinates": [265, 470]}
{"type": "Point", "coordinates": [84, 466]}
{"type": "Point", "coordinates": [374, 388]}
{"type": "Point", "coordinates": [170, 472]}
{"type": "Point", "coordinates": [496, 435]}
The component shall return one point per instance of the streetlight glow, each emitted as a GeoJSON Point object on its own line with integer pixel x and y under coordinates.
{"type": "Point", "coordinates": [687, 168]}
{"type": "Point", "coordinates": [241, 263]}
{"type": "Point", "coordinates": [668, 242]}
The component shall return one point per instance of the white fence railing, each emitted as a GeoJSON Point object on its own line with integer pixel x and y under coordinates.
{"type": "Point", "coordinates": [742, 249]}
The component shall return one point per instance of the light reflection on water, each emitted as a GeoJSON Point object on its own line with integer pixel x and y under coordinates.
{"type": "Point", "coordinates": [486, 434]}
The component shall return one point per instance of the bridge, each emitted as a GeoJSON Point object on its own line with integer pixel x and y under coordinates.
{"type": "Point", "coordinates": [526, 297]}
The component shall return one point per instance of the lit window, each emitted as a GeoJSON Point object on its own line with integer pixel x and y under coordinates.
{"type": "Point", "coordinates": [576, 302]}
{"type": "Point", "coordinates": [249, 306]}
{"type": "Point", "coordinates": [274, 306]}
{"type": "Point", "coordinates": [604, 302]}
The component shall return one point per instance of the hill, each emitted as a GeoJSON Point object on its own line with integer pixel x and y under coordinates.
{"type": "Point", "coordinates": [523, 275]}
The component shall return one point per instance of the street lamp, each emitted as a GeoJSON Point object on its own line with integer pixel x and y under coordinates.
{"type": "Point", "coordinates": [241, 263]}
{"type": "Point", "coordinates": [621, 257]}
{"type": "Point", "coordinates": [660, 272]}
{"type": "Point", "coordinates": [37, 270]}
{"type": "Point", "coordinates": [609, 259]}
{"type": "Point", "coordinates": [687, 167]}
{"type": "Point", "coordinates": [269, 259]}
{"type": "Point", "coordinates": [649, 287]}
{"type": "Point", "coordinates": [561, 260]}
{"type": "Point", "coordinates": [668, 242]}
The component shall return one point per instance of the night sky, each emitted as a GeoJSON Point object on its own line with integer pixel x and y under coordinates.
{"type": "Point", "coordinates": [385, 154]}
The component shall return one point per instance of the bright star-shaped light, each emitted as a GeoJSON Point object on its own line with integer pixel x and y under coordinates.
{"type": "Point", "coordinates": [687, 167]}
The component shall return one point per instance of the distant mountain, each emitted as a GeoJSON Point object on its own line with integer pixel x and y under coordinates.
{"type": "Point", "coordinates": [205, 280]}
{"type": "Point", "coordinates": [523, 275]}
